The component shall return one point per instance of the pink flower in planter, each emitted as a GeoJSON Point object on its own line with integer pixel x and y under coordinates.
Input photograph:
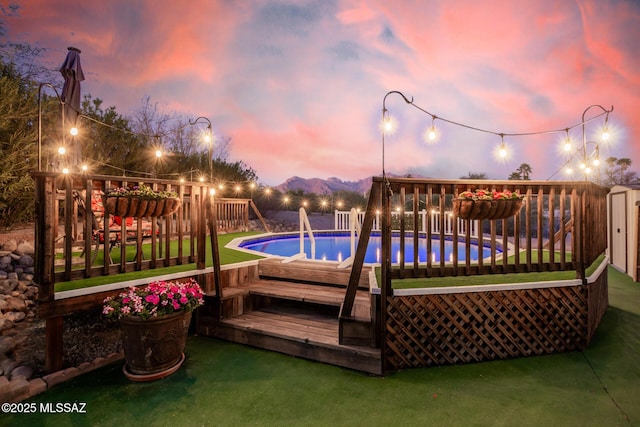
{"type": "Point", "coordinates": [157, 299]}
{"type": "Point", "coordinates": [153, 299]}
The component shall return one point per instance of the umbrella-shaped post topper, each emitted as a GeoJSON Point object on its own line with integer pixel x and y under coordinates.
{"type": "Point", "coordinates": [71, 70]}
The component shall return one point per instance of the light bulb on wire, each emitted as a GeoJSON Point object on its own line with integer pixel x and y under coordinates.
{"type": "Point", "coordinates": [431, 135]}
{"type": "Point", "coordinates": [502, 151]}
{"type": "Point", "coordinates": [567, 142]}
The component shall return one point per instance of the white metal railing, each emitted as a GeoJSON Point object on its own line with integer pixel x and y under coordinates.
{"type": "Point", "coordinates": [355, 229]}
{"type": "Point", "coordinates": [304, 223]}
{"type": "Point", "coordinates": [343, 219]}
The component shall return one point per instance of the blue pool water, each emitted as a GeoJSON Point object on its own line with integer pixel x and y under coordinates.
{"type": "Point", "coordinates": [337, 247]}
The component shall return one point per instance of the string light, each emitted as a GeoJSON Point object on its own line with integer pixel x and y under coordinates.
{"type": "Point", "coordinates": [567, 142]}
{"type": "Point", "coordinates": [431, 134]}
{"type": "Point", "coordinates": [503, 149]}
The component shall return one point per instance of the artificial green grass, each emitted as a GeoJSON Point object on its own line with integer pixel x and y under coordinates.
{"type": "Point", "coordinates": [488, 279]}
{"type": "Point", "coordinates": [232, 385]}
{"type": "Point", "coordinates": [227, 256]}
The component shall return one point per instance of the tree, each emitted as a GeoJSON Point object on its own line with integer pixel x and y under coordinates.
{"type": "Point", "coordinates": [19, 125]}
{"type": "Point", "coordinates": [109, 143]}
{"type": "Point", "coordinates": [18, 142]}
{"type": "Point", "coordinates": [475, 175]}
{"type": "Point", "coordinates": [515, 176]}
{"type": "Point", "coordinates": [617, 172]}
{"type": "Point", "coordinates": [522, 173]}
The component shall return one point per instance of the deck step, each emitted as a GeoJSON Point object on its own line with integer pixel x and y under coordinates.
{"type": "Point", "coordinates": [305, 293]}
{"type": "Point", "coordinates": [288, 328]}
{"type": "Point", "coordinates": [298, 318]}
{"type": "Point", "coordinates": [309, 271]}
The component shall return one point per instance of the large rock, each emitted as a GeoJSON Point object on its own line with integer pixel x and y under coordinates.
{"type": "Point", "coordinates": [25, 248]}
{"type": "Point", "coordinates": [22, 371]}
{"type": "Point", "coordinates": [5, 324]}
{"type": "Point", "coordinates": [26, 261]}
{"type": "Point", "coordinates": [15, 316]}
{"type": "Point", "coordinates": [7, 344]}
{"type": "Point", "coordinates": [15, 304]}
{"type": "Point", "coordinates": [10, 245]}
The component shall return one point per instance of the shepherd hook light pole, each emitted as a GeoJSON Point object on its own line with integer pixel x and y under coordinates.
{"type": "Point", "coordinates": [40, 120]}
{"type": "Point", "coordinates": [209, 136]}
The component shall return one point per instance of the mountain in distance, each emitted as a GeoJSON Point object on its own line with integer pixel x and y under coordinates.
{"type": "Point", "coordinates": [324, 186]}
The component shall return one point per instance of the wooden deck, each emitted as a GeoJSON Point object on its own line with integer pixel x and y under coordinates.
{"type": "Point", "coordinates": [292, 316]}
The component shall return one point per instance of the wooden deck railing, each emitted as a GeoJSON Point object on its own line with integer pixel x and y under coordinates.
{"type": "Point", "coordinates": [72, 229]}
{"type": "Point", "coordinates": [561, 226]}
{"type": "Point", "coordinates": [69, 232]}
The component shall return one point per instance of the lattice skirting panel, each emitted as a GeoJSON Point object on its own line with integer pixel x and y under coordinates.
{"type": "Point", "coordinates": [431, 330]}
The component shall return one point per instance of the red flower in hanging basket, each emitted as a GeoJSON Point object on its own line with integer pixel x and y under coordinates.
{"type": "Point", "coordinates": [141, 201]}
{"type": "Point", "coordinates": [485, 204]}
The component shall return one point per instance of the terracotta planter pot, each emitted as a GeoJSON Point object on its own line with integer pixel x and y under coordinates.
{"type": "Point", "coordinates": [486, 209]}
{"type": "Point", "coordinates": [153, 348]}
{"type": "Point", "coordinates": [139, 207]}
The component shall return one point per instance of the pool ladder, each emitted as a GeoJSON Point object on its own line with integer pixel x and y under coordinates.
{"type": "Point", "coordinates": [355, 229]}
{"type": "Point", "coordinates": [304, 223]}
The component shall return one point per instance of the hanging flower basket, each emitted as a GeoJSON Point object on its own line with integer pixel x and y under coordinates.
{"type": "Point", "coordinates": [140, 202]}
{"type": "Point", "coordinates": [483, 204]}
{"type": "Point", "coordinates": [140, 207]}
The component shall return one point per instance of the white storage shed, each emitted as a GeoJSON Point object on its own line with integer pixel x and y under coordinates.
{"type": "Point", "coordinates": [623, 208]}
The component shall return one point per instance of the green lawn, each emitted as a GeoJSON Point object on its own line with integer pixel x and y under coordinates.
{"type": "Point", "coordinates": [233, 385]}
{"type": "Point", "coordinates": [488, 279]}
{"type": "Point", "coordinates": [227, 256]}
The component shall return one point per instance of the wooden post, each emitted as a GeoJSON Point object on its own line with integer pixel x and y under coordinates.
{"type": "Point", "coordinates": [215, 251]}
{"type": "Point", "coordinates": [53, 344]}
{"type": "Point", "coordinates": [385, 290]}
{"type": "Point", "coordinates": [358, 257]}
{"type": "Point", "coordinates": [202, 229]}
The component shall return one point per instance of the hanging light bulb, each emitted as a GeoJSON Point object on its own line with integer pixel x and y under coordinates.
{"type": "Point", "coordinates": [74, 131]}
{"type": "Point", "coordinates": [567, 142]}
{"type": "Point", "coordinates": [596, 158]}
{"type": "Point", "coordinates": [388, 124]}
{"type": "Point", "coordinates": [503, 148]}
{"type": "Point", "coordinates": [431, 134]}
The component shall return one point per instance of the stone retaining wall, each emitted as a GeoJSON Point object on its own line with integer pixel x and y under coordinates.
{"type": "Point", "coordinates": [90, 342]}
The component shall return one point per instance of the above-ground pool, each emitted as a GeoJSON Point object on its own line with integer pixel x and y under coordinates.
{"type": "Point", "coordinates": [336, 246]}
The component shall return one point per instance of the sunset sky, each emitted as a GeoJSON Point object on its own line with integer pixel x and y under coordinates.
{"type": "Point", "coordinates": [298, 85]}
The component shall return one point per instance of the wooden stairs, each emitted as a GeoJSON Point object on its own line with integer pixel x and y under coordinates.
{"type": "Point", "coordinates": [293, 308]}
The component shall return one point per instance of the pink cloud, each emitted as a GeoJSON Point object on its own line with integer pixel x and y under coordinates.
{"type": "Point", "coordinates": [299, 86]}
